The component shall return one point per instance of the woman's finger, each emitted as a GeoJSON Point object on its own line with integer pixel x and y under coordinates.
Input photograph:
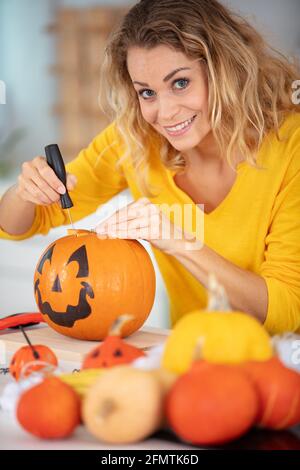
{"type": "Point", "coordinates": [141, 233]}
{"type": "Point", "coordinates": [132, 211]}
{"type": "Point", "coordinates": [44, 187]}
{"type": "Point", "coordinates": [39, 201]}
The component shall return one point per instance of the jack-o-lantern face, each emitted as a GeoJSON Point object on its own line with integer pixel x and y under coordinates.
{"type": "Point", "coordinates": [112, 352]}
{"type": "Point", "coordinates": [82, 284]}
{"type": "Point", "coordinates": [72, 313]}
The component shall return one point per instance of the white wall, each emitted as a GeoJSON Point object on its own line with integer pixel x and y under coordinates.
{"type": "Point", "coordinates": [278, 20]}
{"type": "Point", "coordinates": [26, 54]}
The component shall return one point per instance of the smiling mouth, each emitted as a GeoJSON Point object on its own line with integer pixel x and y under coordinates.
{"type": "Point", "coordinates": [180, 128]}
{"type": "Point", "coordinates": [72, 313]}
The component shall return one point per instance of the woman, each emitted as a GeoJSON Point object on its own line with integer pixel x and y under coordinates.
{"type": "Point", "coordinates": [202, 114]}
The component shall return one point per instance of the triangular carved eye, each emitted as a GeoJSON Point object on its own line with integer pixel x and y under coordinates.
{"type": "Point", "coordinates": [56, 286]}
{"type": "Point", "coordinates": [80, 256]}
{"type": "Point", "coordinates": [47, 255]}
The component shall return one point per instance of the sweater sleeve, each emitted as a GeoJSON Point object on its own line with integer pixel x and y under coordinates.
{"type": "Point", "coordinates": [98, 180]}
{"type": "Point", "coordinates": [281, 266]}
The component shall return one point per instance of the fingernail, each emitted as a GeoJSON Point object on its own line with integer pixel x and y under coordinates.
{"type": "Point", "coordinates": [102, 237]}
{"type": "Point", "coordinates": [61, 189]}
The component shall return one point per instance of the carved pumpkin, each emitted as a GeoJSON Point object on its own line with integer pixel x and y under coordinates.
{"type": "Point", "coordinates": [83, 283]}
{"type": "Point", "coordinates": [113, 350]}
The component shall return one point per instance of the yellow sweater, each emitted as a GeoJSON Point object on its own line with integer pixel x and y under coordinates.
{"type": "Point", "coordinates": [256, 226]}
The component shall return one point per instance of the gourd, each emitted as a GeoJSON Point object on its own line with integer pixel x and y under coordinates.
{"type": "Point", "coordinates": [81, 380]}
{"type": "Point", "coordinates": [126, 405]}
{"type": "Point", "coordinates": [227, 336]}
{"type": "Point", "coordinates": [33, 357]}
{"type": "Point", "coordinates": [211, 404]}
{"type": "Point", "coordinates": [49, 410]}
{"type": "Point", "coordinates": [278, 388]}
{"type": "Point", "coordinates": [114, 350]}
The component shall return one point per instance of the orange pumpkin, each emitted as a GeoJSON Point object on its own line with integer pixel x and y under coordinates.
{"type": "Point", "coordinates": [211, 404]}
{"type": "Point", "coordinates": [83, 283]}
{"type": "Point", "coordinates": [278, 389]}
{"type": "Point", "coordinates": [113, 351]}
{"type": "Point", "coordinates": [26, 354]}
{"type": "Point", "coordinates": [49, 410]}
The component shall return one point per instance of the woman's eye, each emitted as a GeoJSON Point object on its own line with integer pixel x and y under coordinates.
{"type": "Point", "coordinates": [141, 93]}
{"type": "Point", "coordinates": [183, 83]}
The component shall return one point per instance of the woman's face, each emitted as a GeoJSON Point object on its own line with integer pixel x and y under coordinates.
{"type": "Point", "coordinates": [174, 102]}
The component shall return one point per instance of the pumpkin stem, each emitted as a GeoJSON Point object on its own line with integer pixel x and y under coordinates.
{"type": "Point", "coordinates": [34, 351]}
{"type": "Point", "coordinates": [217, 297]}
{"type": "Point", "coordinates": [78, 232]}
{"type": "Point", "coordinates": [198, 350]}
{"type": "Point", "coordinates": [118, 324]}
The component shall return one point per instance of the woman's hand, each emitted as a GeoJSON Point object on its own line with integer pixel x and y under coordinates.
{"type": "Point", "coordinates": [39, 184]}
{"type": "Point", "coordinates": [143, 220]}
{"type": "Point", "coordinates": [247, 292]}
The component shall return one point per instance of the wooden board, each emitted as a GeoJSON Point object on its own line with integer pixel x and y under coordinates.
{"type": "Point", "coordinates": [70, 349]}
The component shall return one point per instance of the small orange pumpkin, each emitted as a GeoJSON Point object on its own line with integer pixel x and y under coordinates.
{"type": "Point", "coordinates": [83, 283]}
{"type": "Point", "coordinates": [212, 404]}
{"type": "Point", "coordinates": [37, 353]}
{"type": "Point", "coordinates": [113, 351]}
{"type": "Point", "coordinates": [49, 410]}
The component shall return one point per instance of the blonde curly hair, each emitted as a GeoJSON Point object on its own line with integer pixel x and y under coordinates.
{"type": "Point", "coordinates": [250, 83]}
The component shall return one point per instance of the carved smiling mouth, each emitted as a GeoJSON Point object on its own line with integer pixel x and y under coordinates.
{"type": "Point", "coordinates": [72, 313]}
